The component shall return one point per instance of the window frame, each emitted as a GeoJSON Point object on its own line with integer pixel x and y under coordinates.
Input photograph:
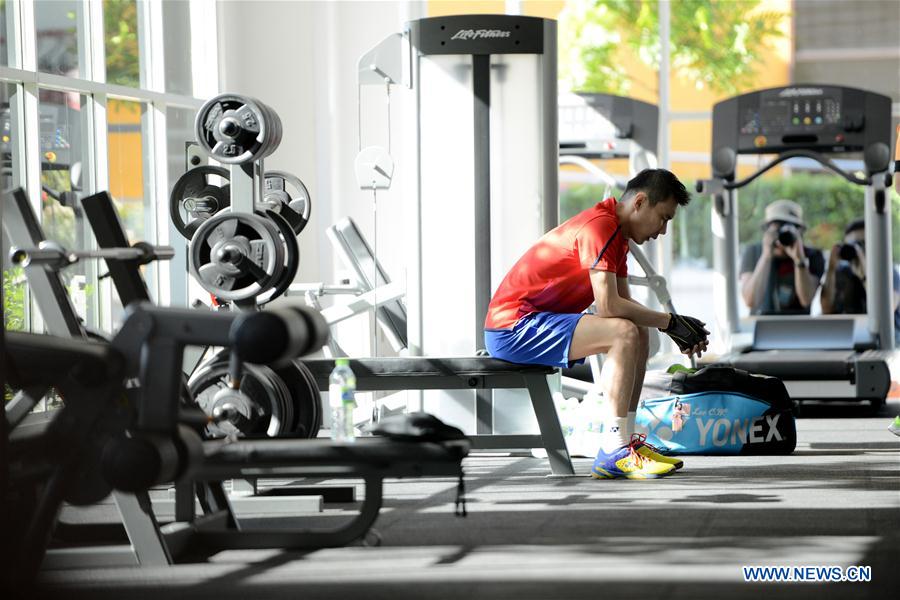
{"type": "Point", "coordinates": [169, 288]}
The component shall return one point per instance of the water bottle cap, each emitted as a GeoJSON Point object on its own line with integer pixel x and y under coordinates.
{"type": "Point", "coordinates": [342, 362]}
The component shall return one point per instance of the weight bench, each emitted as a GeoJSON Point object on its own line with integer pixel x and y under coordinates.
{"type": "Point", "coordinates": [371, 459]}
{"type": "Point", "coordinates": [455, 373]}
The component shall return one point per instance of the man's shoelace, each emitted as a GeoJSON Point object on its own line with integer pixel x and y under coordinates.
{"type": "Point", "coordinates": [640, 439]}
{"type": "Point", "coordinates": [636, 457]}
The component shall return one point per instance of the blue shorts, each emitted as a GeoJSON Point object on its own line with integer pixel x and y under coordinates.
{"type": "Point", "coordinates": [536, 339]}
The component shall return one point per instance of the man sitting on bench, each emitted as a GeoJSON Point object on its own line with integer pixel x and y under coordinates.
{"type": "Point", "coordinates": [535, 317]}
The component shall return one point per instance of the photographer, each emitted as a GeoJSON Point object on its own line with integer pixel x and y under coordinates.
{"type": "Point", "coordinates": [844, 290]}
{"type": "Point", "coordinates": [780, 276]}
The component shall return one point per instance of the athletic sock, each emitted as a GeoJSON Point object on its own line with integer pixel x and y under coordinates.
{"type": "Point", "coordinates": [629, 428]}
{"type": "Point", "coordinates": [614, 436]}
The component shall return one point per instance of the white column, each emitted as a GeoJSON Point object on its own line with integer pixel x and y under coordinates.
{"type": "Point", "coordinates": [664, 247]}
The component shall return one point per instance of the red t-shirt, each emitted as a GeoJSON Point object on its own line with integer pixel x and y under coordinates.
{"type": "Point", "coordinates": [554, 274]}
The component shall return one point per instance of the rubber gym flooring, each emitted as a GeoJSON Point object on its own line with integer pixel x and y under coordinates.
{"type": "Point", "coordinates": [834, 501]}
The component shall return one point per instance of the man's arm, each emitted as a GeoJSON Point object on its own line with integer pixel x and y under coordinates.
{"type": "Point", "coordinates": [610, 304]}
{"type": "Point", "coordinates": [806, 283]}
{"type": "Point", "coordinates": [624, 290]}
{"type": "Point", "coordinates": [755, 282]}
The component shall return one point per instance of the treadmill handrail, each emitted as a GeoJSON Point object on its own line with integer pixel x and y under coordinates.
{"type": "Point", "coordinates": [819, 158]}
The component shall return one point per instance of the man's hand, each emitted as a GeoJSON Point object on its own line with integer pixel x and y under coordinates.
{"type": "Point", "coordinates": [769, 239]}
{"type": "Point", "coordinates": [689, 333]}
{"type": "Point", "coordinates": [795, 251]}
{"type": "Point", "coordinates": [833, 258]}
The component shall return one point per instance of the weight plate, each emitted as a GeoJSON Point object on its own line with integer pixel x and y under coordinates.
{"type": "Point", "coordinates": [305, 397]}
{"type": "Point", "coordinates": [291, 257]}
{"type": "Point", "coordinates": [237, 256]}
{"type": "Point", "coordinates": [287, 195]}
{"type": "Point", "coordinates": [237, 129]}
{"type": "Point", "coordinates": [194, 199]}
{"type": "Point", "coordinates": [315, 405]}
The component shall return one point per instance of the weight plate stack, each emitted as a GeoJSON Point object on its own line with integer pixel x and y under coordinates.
{"type": "Point", "coordinates": [237, 129]}
{"type": "Point", "coordinates": [287, 195]}
{"type": "Point", "coordinates": [194, 199]}
{"type": "Point", "coordinates": [282, 402]}
{"type": "Point", "coordinates": [264, 404]}
{"type": "Point", "coordinates": [237, 256]}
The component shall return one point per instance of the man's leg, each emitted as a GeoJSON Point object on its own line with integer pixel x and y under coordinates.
{"type": "Point", "coordinates": [619, 340]}
{"type": "Point", "coordinates": [640, 367]}
{"type": "Point", "coordinates": [640, 370]}
{"type": "Point", "coordinates": [626, 348]}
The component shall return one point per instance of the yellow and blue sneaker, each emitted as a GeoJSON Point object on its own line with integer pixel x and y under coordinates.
{"type": "Point", "coordinates": [650, 451]}
{"type": "Point", "coordinates": [627, 462]}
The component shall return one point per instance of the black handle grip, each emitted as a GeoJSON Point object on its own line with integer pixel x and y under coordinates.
{"type": "Point", "coordinates": [278, 335]}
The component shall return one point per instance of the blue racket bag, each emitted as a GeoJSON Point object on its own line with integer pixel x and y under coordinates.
{"type": "Point", "coordinates": [716, 410]}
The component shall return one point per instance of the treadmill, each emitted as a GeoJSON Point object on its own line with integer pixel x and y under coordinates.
{"type": "Point", "coordinates": [597, 126]}
{"type": "Point", "coordinates": [832, 357]}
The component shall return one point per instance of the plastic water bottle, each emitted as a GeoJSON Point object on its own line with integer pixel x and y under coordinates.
{"type": "Point", "coordinates": [341, 390]}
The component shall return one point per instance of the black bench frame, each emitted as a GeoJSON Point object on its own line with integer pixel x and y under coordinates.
{"type": "Point", "coordinates": [464, 373]}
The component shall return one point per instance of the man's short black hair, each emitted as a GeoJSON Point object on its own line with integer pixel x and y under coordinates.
{"type": "Point", "coordinates": [659, 185]}
{"type": "Point", "coordinates": [855, 225]}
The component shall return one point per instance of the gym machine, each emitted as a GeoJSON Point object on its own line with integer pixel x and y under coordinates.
{"type": "Point", "coordinates": [484, 91]}
{"type": "Point", "coordinates": [371, 288]}
{"type": "Point", "coordinates": [592, 127]}
{"type": "Point", "coordinates": [819, 358]}
{"type": "Point", "coordinates": [160, 449]}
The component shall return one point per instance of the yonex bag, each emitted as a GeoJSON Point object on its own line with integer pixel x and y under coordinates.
{"type": "Point", "coordinates": [716, 410]}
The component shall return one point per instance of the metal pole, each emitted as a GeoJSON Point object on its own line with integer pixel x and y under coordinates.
{"type": "Point", "coordinates": [879, 263]}
{"type": "Point", "coordinates": [725, 246]}
{"type": "Point", "coordinates": [550, 129]}
{"type": "Point", "coordinates": [663, 246]}
{"type": "Point", "coordinates": [481, 88]}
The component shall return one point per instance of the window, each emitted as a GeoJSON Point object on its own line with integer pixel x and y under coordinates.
{"type": "Point", "coordinates": [5, 23]}
{"type": "Point", "coordinates": [64, 160]}
{"type": "Point", "coordinates": [95, 118]}
{"type": "Point", "coordinates": [14, 286]}
{"type": "Point", "coordinates": [57, 28]}
{"type": "Point", "coordinates": [177, 16]}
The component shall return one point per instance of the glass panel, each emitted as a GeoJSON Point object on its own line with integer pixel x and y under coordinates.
{"type": "Point", "coordinates": [177, 29]}
{"type": "Point", "coordinates": [126, 179]}
{"type": "Point", "coordinates": [14, 286]}
{"type": "Point", "coordinates": [57, 25]}
{"type": "Point", "coordinates": [6, 22]}
{"type": "Point", "coordinates": [180, 131]}
{"type": "Point", "coordinates": [121, 37]}
{"type": "Point", "coordinates": [64, 152]}
{"type": "Point", "coordinates": [180, 124]}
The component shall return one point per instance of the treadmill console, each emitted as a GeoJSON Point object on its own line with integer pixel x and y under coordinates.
{"type": "Point", "coordinates": [585, 117]}
{"type": "Point", "coordinates": [821, 118]}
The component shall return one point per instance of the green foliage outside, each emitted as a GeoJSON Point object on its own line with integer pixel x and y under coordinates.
{"type": "Point", "coordinates": [715, 44]}
{"type": "Point", "coordinates": [13, 308]}
{"type": "Point", "coordinates": [829, 203]}
{"type": "Point", "coordinates": [14, 299]}
{"type": "Point", "coordinates": [122, 52]}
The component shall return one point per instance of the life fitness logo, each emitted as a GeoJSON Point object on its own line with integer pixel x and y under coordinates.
{"type": "Point", "coordinates": [800, 92]}
{"type": "Point", "coordinates": [479, 34]}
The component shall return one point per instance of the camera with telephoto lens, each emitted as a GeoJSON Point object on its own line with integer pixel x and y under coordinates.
{"type": "Point", "coordinates": [848, 252]}
{"type": "Point", "coordinates": [788, 234]}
